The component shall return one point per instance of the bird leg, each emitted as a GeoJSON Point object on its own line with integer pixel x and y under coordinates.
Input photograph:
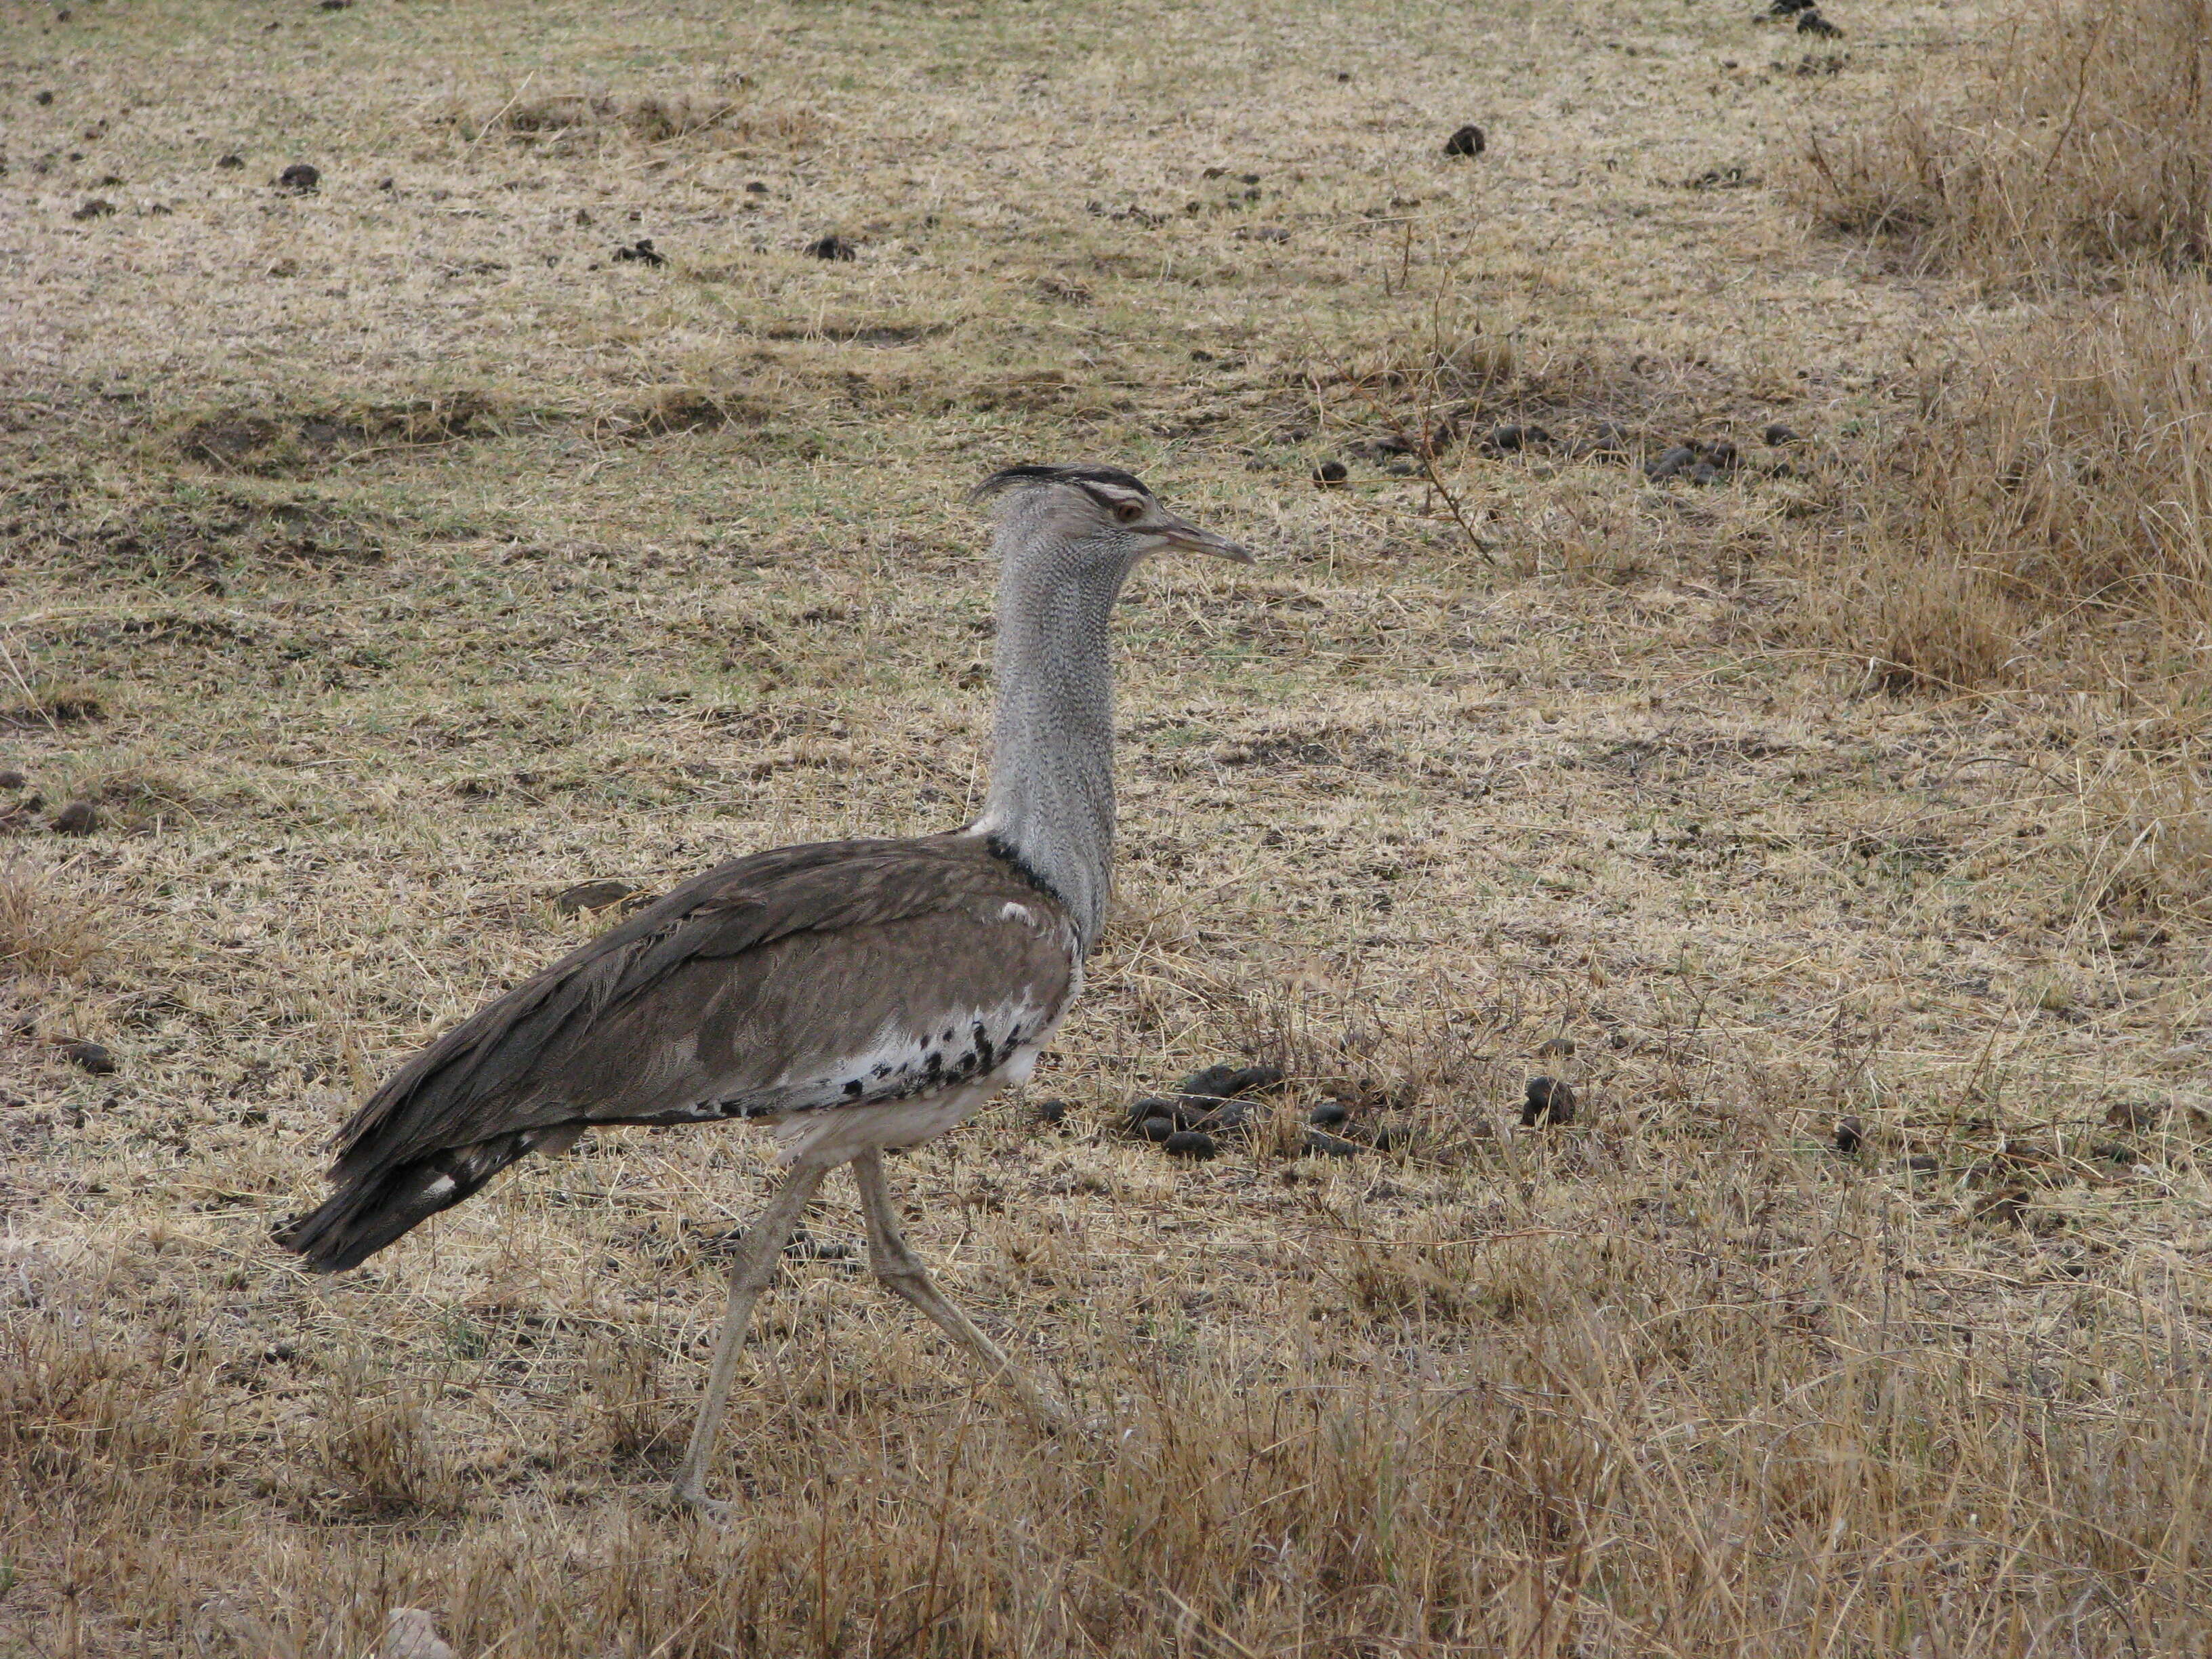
{"type": "Point", "coordinates": [901, 1271]}
{"type": "Point", "coordinates": [759, 1251]}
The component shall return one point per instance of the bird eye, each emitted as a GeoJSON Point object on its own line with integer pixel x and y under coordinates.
{"type": "Point", "coordinates": [1127, 512]}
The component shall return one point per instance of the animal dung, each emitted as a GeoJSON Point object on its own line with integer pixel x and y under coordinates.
{"type": "Point", "coordinates": [1215, 1083]}
{"type": "Point", "coordinates": [1548, 1100]}
{"type": "Point", "coordinates": [1319, 1143]}
{"type": "Point", "coordinates": [1809, 21]}
{"type": "Point", "coordinates": [1509, 439]}
{"type": "Point", "coordinates": [591, 895]}
{"type": "Point", "coordinates": [1330, 474]}
{"type": "Point", "coordinates": [1467, 141]}
{"type": "Point", "coordinates": [1778, 435]}
{"type": "Point", "coordinates": [79, 817]}
{"type": "Point", "coordinates": [1150, 1106]}
{"type": "Point", "coordinates": [1188, 1143]}
{"type": "Point", "coordinates": [641, 253]}
{"type": "Point", "coordinates": [97, 207]}
{"type": "Point", "coordinates": [1329, 1115]}
{"type": "Point", "coordinates": [301, 179]}
{"type": "Point", "coordinates": [1160, 1129]}
{"type": "Point", "coordinates": [1850, 1134]}
{"type": "Point", "coordinates": [1390, 1134]}
{"type": "Point", "coordinates": [11, 779]}
{"type": "Point", "coordinates": [91, 1057]}
{"type": "Point", "coordinates": [831, 247]}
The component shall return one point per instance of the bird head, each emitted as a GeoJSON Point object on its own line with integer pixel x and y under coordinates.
{"type": "Point", "coordinates": [1102, 508]}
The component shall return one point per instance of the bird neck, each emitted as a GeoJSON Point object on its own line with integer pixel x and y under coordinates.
{"type": "Point", "coordinates": [1051, 804]}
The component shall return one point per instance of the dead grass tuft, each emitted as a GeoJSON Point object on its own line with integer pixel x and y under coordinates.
{"type": "Point", "coordinates": [563, 123]}
{"type": "Point", "coordinates": [272, 442]}
{"type": "Point", "coordinates": [53, 706]}
{"type": "Point", "coordinates": [2079, 133]}
{"type": "Point", "coordinates": [42, 930]}
{"type": "Point", "coordinates": [2055, 481]}
{"type": "Point", "coordinates": [688, 408]}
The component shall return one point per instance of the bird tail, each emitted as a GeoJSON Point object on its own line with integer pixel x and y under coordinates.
{"type": "Point", "coordinates": [375, 1205]}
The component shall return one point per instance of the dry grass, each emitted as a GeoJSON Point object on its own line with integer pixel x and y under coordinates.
{"type": "Point", "coordinates": [2077, 133]}
{"type": "Point", "coordinates": [2056, 479]}
{"type": "Point", "coordinates": [43, 934]}
{"type": "Point", "coordinates": [423, 560]}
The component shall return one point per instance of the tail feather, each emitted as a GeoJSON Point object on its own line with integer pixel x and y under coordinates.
{"type": "Point", "coordinates": [376, 1205]}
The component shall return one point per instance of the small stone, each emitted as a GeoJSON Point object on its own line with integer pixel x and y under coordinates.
{"type": "Point", "coordinates": [11, 779]}
{"type": "Point", "coordinates": [89, 1057]}
{"type": "Point", "coordinates": [97, 207]}
{"type": "Point", "coordinates": [1549, 1100]}
{"type": "Point", "coordinates": [412, 1633]}
{"type": "Point", "coordinates": [1467, 141]}
{"type": "Point", "coordinates": [1330, 474]}
{"type": "Point", "coordinates": [301, 179]}
{"type": "Point", "coordinates": [1160, 1129]}
{"type": "Point", "coordinates": [1329, 1115]}
{"type": "Point", "coordinates": [1052, 1111]}
{"type": "Point", "coordinates": [1319, 1143]}
{"type": "Point", "coordinates": [1850, 1134]}
{"type": "Point", "coordinates": [79, 817]}
{"type": "Point", "coordinates": [1778, 435]}
{"type": "Point", "coordinates": [1671, 463]}
{"type": "Point", "coordinates": [232, 162]}
{"type": "Point", "coordinates": [641, 253]}
{"type": "Point", "coordinates": [591, 895]}
{"type": "Point", "coordinates": [1189, 1143]}
{"type": "Point", "coordinates": [831, 247]}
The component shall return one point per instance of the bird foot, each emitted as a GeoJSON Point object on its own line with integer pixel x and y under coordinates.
{"type": "Point", "coordinates": [693, 1497]}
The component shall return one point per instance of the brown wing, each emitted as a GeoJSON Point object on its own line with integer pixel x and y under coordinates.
{"type": "Point", "coordinates": [843, 972]}
{"type": "Point", "coordinates": [740, 977]}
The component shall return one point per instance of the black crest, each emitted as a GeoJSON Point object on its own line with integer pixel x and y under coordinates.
{"type": "Point", "coordinates": [1010, 477]}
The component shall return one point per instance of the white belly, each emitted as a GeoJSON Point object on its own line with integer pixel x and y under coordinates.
{"type": "Point", "coordinates": [831, 1135]}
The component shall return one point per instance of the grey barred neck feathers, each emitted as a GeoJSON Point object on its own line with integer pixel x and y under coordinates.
{"type": "Point", "coordinates": [1067, 539]}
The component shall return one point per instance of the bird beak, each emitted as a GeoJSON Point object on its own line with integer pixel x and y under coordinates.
{"type": "Point", "coordinates": [1182, 533]}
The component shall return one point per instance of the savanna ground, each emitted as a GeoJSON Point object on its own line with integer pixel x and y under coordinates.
{"type": "Point", "coordinates": [382, 561]}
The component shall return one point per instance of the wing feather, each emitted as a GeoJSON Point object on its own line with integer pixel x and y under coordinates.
{"type": "Point", "coordinates": [778, 966]}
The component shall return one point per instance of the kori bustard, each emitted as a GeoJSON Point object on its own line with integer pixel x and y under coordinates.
{"type": "Point", "coordinates": [856, 994]}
